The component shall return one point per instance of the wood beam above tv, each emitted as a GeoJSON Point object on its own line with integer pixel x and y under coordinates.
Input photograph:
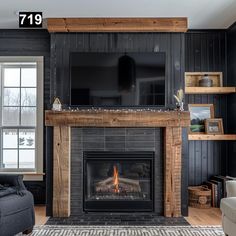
{"type": "Point", "coordinates": [177, 24]}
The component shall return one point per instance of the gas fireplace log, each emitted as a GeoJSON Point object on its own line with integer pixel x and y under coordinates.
{"type": "Point", "coordinates": [128, 185]}
{"type": "Point", "coordinates": [121, 180]}
{"type": "Point", "coordinates": [129, 181]}
{"type": "Point", "coordinates": [105, 181]}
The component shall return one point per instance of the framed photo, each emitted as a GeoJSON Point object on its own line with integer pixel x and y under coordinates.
{"type": "Point", "coordinates": [214, 126]}
{"type": "Point", "coordinates": [198, 114]}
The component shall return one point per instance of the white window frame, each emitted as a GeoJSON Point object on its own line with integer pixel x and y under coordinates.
{"type": "Point", "coordinates": [37, 173]}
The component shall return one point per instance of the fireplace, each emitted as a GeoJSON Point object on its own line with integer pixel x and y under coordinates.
{"type": "Point", "coordinates": [76, 132]}
{"type": "Point", "coordinates": [118, 181]}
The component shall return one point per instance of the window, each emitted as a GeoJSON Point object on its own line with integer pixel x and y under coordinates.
{"type": "Point", "coordinates": [21, 112]}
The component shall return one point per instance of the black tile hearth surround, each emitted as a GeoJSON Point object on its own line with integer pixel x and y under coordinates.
{"type": "Point", "coordinates": [135, 219]}
{"type": "Point", "coordinates": [118, 140]}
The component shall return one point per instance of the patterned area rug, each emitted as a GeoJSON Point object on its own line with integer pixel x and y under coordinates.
{"type": "Point", "coordinates": [59, 230]}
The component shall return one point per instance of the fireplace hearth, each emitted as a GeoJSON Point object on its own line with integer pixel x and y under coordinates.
{"type": "Point", "coordinates": [118, 181]}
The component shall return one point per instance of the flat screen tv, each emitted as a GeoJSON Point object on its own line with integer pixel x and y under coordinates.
{"type": "Point", "coordinates": [117, 79]}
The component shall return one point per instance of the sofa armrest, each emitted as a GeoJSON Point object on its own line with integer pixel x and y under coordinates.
{"type": "Point", "coordinates": [13, 180]}
{"type": "Point", "coordinates": [231, 188]}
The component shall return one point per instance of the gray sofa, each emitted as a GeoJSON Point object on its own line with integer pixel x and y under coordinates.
{"type": "Point", "coordinates": [16, 210]}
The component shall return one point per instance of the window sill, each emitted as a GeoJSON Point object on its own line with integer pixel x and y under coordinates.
{"type": "Point", "coordinates": [33, 176]}
{"type": "Point", "coordinates": [29, 176]}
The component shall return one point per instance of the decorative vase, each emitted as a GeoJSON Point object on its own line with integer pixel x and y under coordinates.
{"type": "Point", "coordinates": [205, 81]}
{"type": "Point", "coordinates": [180, 106]}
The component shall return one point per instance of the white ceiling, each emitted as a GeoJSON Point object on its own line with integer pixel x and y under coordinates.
{"type": "Point", "coordinates": [202, 14]}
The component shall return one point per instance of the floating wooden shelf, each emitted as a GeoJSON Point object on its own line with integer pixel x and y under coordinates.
{"type": "Point", "coordinates": [209, 90]}
{"type": "Point", "coordinates": [212, 137]}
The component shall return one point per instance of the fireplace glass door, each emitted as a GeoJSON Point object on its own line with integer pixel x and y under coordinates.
{"type": "Point", "coordinates": [118, 181]}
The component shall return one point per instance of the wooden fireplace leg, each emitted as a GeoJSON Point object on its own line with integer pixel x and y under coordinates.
{"type": "Point", "coordinates": [172, 172]}
{"type": "Point", "coordinates": [61, 171]}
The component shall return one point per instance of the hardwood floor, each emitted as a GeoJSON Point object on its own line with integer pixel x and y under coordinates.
{"type": "Point", "coordinates": [210, 216]}
{"type": "Point", "coordinates": [40, 215]}
{"type": "Point", "coordinates": [196, 216]}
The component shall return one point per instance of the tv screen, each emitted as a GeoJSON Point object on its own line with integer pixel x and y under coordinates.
{"type": "Point", "coordinates": [118, 79]}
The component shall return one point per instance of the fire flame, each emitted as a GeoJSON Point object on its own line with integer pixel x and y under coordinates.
{"type": "Point", "coordinates": [116, 179]}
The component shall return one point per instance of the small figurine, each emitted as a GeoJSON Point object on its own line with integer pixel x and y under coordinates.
{"type": "Point", "coordinates": [56, 106]}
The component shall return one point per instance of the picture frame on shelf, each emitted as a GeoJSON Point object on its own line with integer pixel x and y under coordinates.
{"type": "Point", "coordinates": [198, 114]}
{"type": "Point", "coordinates": [214, 126]}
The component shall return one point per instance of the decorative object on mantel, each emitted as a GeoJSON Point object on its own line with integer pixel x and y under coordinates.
{"type": "Point", "coordinates": [205, 81]}
{"type": "Point", "coordinates": [119, 110]}
{"type": "Point", "coordinates": [214, 126]}
{"type": "Point", "coordinates": [56, 106]}
{"type": "Point", "coordinates": [179, 99]}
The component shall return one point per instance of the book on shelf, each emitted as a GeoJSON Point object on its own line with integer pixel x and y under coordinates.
{"type": "Point", "coordinates": [213, 188]}
{"type": "Point", "coordinates": [217, 185]}
{"type": "Point", "coordinates": [219, 193]}
{"type": "Point", "coordinates": [223, 180]}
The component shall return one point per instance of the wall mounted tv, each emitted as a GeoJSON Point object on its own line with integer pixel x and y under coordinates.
{"type": "Point", "coordinates": [117, 79]}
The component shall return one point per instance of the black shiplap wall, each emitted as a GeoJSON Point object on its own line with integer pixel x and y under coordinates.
{"type": "Point", "coordinates": [206, 51]}
{"type": "Point", "coordinates": [231, 53]}
{"type": "Point", "coordinates": [30, 43]}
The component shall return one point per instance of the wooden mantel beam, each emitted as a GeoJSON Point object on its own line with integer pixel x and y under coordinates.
{"type": "Point", "coordinates": [111, 118]}
{"type": "Point", "coordinates": [175, 24]}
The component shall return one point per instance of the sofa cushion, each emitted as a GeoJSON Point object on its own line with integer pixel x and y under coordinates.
{"type": "Point", "coordinates": [4, 191]}
{"type": "Point", "coordinates": [14, 203]}
{"type": "Point", "coordinates": [228, 208]}
{"type": "Point", "coordinates": [231, 188]}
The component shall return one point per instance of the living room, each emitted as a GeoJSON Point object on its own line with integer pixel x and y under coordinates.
{"type": "Point", "coordinates": [117, 118]}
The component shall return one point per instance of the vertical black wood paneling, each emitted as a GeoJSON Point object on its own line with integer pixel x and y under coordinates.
{"type": "Point", "coordinates": [206, 51]}
{"type": "Point", "coordinates": [202, 51]}
{"type": "Point", "coordinates": [31, 43]}
{"type": "Point", "coordinates": [231, 59]}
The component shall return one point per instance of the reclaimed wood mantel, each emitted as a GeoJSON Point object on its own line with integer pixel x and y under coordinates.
{"type": "Point", "coordinates": [172, 121]}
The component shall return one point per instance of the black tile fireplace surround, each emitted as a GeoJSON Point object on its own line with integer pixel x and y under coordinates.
{"type": "Point", "coordinates": [145, 143]}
